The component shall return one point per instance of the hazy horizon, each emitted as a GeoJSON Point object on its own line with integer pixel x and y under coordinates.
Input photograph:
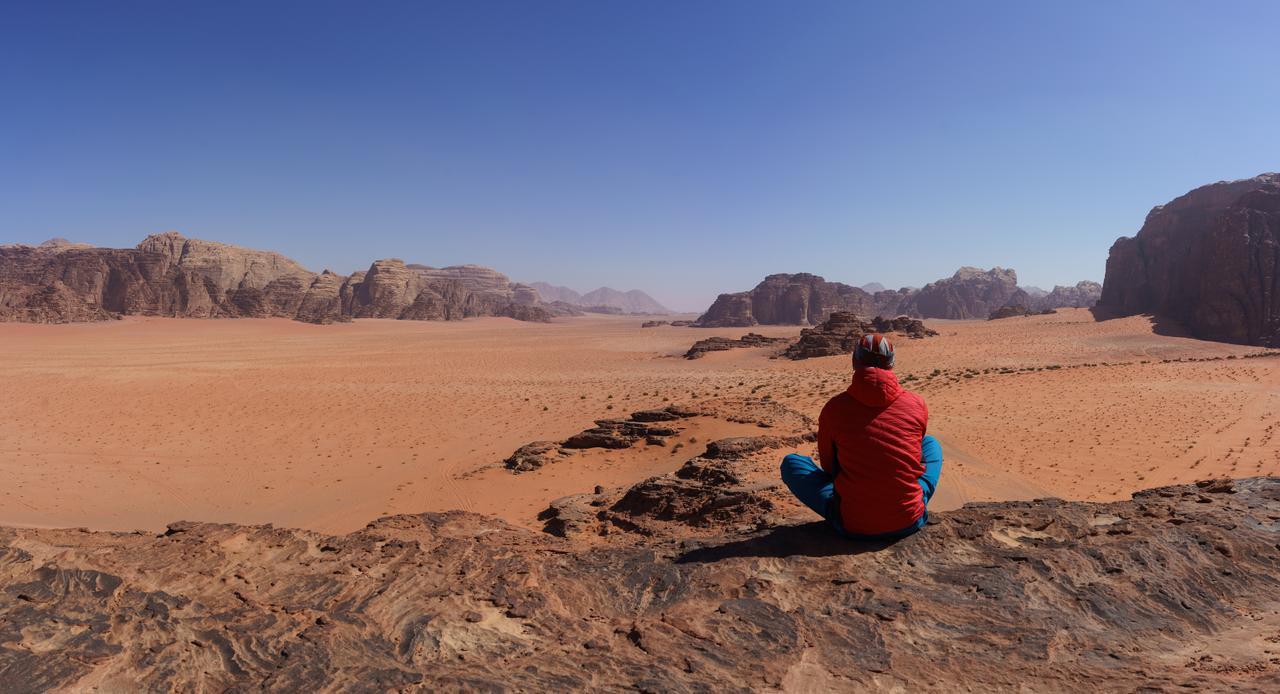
{"type": "Point", "coordinates": [684, 150]}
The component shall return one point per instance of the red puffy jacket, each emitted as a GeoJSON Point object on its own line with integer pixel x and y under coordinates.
{"type": "Point", "coordinates": [869, 439]}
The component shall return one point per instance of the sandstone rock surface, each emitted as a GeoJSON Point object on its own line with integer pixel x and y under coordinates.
{"type": "Point", "coordinates": [1209, 259]}
{"type": "Point", "coordinates": [1172, 590]}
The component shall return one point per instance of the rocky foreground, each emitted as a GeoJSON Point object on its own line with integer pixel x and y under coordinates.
{"type": "Point", "coordinates": [1177, 588]}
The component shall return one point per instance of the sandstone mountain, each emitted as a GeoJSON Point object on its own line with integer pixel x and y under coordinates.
{"type": "Point", "coordinates": [970, 293]}
{"type": "Point", "coordinates": [1172, 590]}
{"type": "Point", "coordinates": [550, 293]}
{"type": "Point", "coordinates": [782, 299]}
{"type": "Point", "coordinates": [602, 300]}
{"type": "Point", "coordinates": [1209, 259]}
{"type": "Point", "coordinates": [805, 299]}
{"type": "Point", "coordinates": [1083, 295]}
{"type": "Point", "coordinates": [171, 275]}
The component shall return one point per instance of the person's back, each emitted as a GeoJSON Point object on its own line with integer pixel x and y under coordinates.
{"type": "Point", "coordinates": [878, 427]}
{"type": "Point", "coordinates": [878, 468]}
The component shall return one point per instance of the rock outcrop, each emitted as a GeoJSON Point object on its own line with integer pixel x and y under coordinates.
{"type": "Point", "coordinates": [839, 334]}
{"type": "Point", "coordinates": [651, 426]}
{"type": "Point", "coordinates": [1017, 311]}
{"type": "Point", "coordinates": [1209, 259]}
{"type": "Point", "coordinates": [171, 275]}
{"type": "Point", "coordinates": [798, 299]}
{"type": "Point", "coordinates": [392, 289]}
{"type": "Point", "coordinates": [1172, 590]}
{"type": "Point", "coordinates": [720, 344]}
{"type": "Point", "coordinates": [804, 299]}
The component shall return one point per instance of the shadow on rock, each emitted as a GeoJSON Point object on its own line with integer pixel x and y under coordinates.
{"type": "Point", "coordinates": [810, 540]}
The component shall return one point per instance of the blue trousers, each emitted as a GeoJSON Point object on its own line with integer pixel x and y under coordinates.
{"type": "Point", "coordinates": [816, 489]}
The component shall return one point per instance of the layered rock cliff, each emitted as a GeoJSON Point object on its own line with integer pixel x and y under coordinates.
{"type": "Point", "coordinates": [1173, 590]}
{"type": "Point", "coordinates": [171, 275]}
{"type": "Point", "coordinates": [1209, 259]}
{"type": "Point", "coordinates": [970, 293]}
{"type": "Point", "coordinates": [786, 299]}
{"type": "Point", "coordinates": [805, 299]}
{"type": "Point", "coordinates": [1083, 295]}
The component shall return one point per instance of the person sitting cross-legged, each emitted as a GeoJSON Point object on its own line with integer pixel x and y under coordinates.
{"type": "Point", "coordinates": [878, 468]}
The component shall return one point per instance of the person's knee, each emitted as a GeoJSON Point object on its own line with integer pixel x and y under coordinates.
{"type": "Point", "coordinates": [794, 465]}
{"type": "Point", "coordinates": [930, 450]}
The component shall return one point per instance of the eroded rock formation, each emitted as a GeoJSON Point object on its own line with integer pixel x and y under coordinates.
{"type": "Point", "coordinates": [799, 299]}
{"type": "Point", "coordinates": [1174, 589]}
{"type": "Point", "coordinates": [839, 334]}
{"type": "Point", "coordinates": [970, 293]}
{"type": "Point", "coordinates": [1209, 259]}
{"type": "Point", "coordinates": [1083, 295]}
{"type": "Point", "coordinates": [171, 275]}
{"type": "Point", "coordinates": [804, 299]}
{"type": "Point", "coordinates": [651, 426]}
{"type": "Point", "coordinates": [720, 344]}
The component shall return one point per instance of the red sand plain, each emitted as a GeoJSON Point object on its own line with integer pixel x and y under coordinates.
{"type": "Point", "coordinates": [136, 423]}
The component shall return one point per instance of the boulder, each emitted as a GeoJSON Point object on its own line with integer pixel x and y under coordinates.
{"type": "Point", "coordinates": [532, 456]}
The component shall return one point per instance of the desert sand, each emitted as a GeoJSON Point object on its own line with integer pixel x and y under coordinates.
{"type": "Point", "coordinates": [136, 423]}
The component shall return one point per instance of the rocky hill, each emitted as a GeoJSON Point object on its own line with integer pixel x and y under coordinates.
{"type": "Point", "coordinates": [1083, 295]}
{"type": "Point", "coordinates": [805, 299]}
{"type": "Point", "coordinates": [1173, 590]}
{"type": "Point", "coordinates": [782, 299]}
{"type": "Point", "coordinates": [171, 275]}
{"type": "Point", "coordinates": [1209, 259]}
{"type": "Point", "coordinates": [970, 293]}
{"type": "Point", "coordinates": [606, 298]}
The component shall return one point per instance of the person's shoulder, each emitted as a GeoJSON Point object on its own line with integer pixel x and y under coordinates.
{"type": "Point", "coordinates": [838, 401]}
{"type": "Point", "coordinates": [912, 398]}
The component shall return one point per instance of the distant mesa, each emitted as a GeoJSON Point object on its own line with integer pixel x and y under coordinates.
{"type": "Point", "coordinates": [786, 299]}
{"type": "Point", "coordinates": [806, 299]}
{"type": "Point", "coordinates": [171, 275]}
{"type": "Point", "coordinates": [1209, 259]}
{"type": "Point", "coordinates": [602, 300]}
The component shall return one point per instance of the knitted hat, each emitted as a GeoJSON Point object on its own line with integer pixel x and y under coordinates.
{"type": "Point", "coordinates": [873, 350]}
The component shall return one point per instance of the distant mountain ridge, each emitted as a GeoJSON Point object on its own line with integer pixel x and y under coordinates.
{"type": "Point", "coordinates": [807, 299]}
{"type": "Point", "coordinates": [632, 301]}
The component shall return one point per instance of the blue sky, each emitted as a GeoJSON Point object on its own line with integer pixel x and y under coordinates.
{"type": "Point", "coordinates": [685, 148]}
